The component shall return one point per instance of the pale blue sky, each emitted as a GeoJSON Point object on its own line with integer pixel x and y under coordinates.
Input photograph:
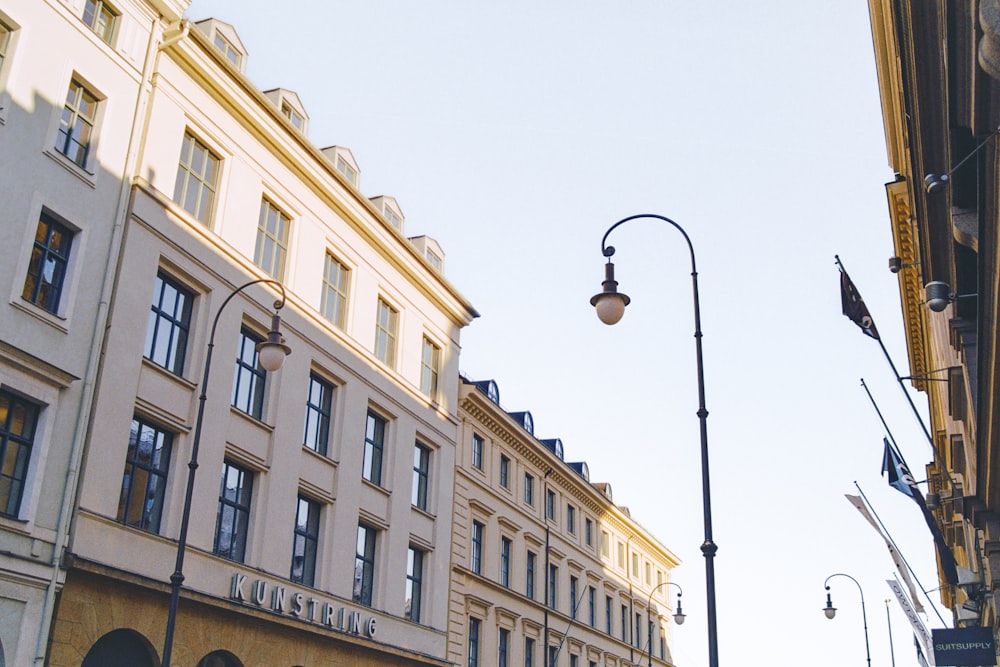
{"type": "Point", "coordinates": [516, 133]}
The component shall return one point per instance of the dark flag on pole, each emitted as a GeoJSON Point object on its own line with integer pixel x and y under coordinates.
{"type": "Point", "coordinates": [854, 306]}
{"type": "Point", "coordinates": [899, 477]}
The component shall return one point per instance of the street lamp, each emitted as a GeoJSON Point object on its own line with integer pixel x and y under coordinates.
{"type": "Point", "coordinates": [270, 354]}
{"type": "Point", "coordinates": [678, 615]}
{"type": "Point", "coordinates": [610, 305]}
{"type": "Point", "coordinates": [830, 611]}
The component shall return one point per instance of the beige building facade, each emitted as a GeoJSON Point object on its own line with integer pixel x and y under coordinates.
{"type": "Point", "coordinates": [543, 561]}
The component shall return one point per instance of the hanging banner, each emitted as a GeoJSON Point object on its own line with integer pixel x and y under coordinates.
{"type": "Point", "coordinates": [964, 647]}
{"type": "Point", "coordinates": [919, 629]}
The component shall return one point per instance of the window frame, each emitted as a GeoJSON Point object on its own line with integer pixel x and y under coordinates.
{"type": "Point", "coordinates": [306, 535]}
{"type": "Point", "coordinates": [414, 583]}
{"type": "Point", "coordinates": [24, 442]}
{"type": "Point", "coordinates": [248, 368]}
{"type": "Point", "coordinates": [240, 510]}
{"type": "Point", "coordinates": [363, 591]}
{"type": "Point", "coordinates": [101, 9]}
{"type": "Point", "coordinates": [319, 414]}
{"type": "Point", "coordinates": [76, 136]}
{"type": "Point", "coordinates": [42, 255]}
{"type": "Point", "coordinates": [473, 654]}
{"type": "Point", "coordinates": [270, 252]}
{"type": "Point", "coordinates": [553, 583]}
{"type": "Point", "coordinates": [203, 178]}
{"type": "Point", "coordinates": [478, 445]}
{"type": "Point", "coordinates": [531, 563]}
{"type": "Point", "coordinates": [505, 471]}
{"type": "Point", "coordinates": [476, 547]}
{"type": "Point", "coordinates": [503, 647]}
{"type": "Point", "coordinates": [177, 324]}
{"type": "Point", "coordinates": [336, 291]}
{"type": "Point", "coordinates": [430, 368]}
{"type": "Point", "coordinates": [155, 473]}
{"type": "Point", "coordinates": [529, 489]}
{"type": "Point", "coordinates": [506, 545]}
{"type": "Point", "coordinates": [371, 464]}
{"type": "Point", "coordinates": [386, 333]}
{"type": "Point", "coordinates": [421, 476]}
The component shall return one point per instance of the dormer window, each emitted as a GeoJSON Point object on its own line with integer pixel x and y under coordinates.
{"type": "Point", "coordinates": [433, 259]}
{"type": "Point", "coordinates": [291, 114]}
{"type": "Point", "coordinates": [391, 216]}
{"type": "Point", "coordinates": [225, 39]}
{"type": "Point", "coordinates": [232, 55]}
{"type": "Point", "coordinates": [290, 106]}
{"type": "Point", "coordinates": [390, 211]}
{"type": "Point", "coordinates": [347, 170]}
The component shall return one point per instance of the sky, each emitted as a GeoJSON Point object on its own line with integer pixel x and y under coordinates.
{"type": "Point", "coordinates": [516, 133]}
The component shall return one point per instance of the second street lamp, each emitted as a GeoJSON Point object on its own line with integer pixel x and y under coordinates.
{"type": "Point", "coordinates": [678, 615]}
{"type": "Point", "coordinates": [610, 305]}
{"type": "Point", "coordinates": [830, 611]}
{"type": "Point", "coordinates": [271, 353]}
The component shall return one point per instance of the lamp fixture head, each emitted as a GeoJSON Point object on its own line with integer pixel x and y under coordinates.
{"type": "Point", "coordinates": [830, 611]}
{"type": "Point", "coordinates": [272, 351]}
{"type": "Point", "coordinates": [610, 303]}
{"type": "Point", "coordinates": [679, 616]}
{"type": "Point", "coordinates": [896, 264]}
{"type": "Point", "coordinates": [939, 295]}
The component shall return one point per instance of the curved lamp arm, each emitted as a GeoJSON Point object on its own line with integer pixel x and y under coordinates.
{"type": "Point", "coordinates": [831, 611]}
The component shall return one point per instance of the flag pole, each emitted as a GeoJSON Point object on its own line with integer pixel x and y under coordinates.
{"type": "Point", "coordinates": [901, 556]}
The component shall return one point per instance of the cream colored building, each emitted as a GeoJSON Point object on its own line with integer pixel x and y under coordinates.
{"type": "Point", "coordinates": [539, 550]}
{"type": "Point", "coordinates": [178, 182]}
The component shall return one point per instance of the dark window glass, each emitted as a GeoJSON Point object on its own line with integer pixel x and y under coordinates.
{"type": "Point", "coordinates": [504, 472]}
{"type": "Point", "coordinates": [477, 451]}
{"type": "Point", "coordinates": [421, 471]}
{"type": "Point", "coordinates": [505, 545]}
{"type": "Point", "coordinates": [319, 404]}
{"type": "Point", "coordinates": [169, 322]}
{"type": "Point", "coordinates": [233, 517]}
{"type": "Point", "coordinates": [248, 383]}
{"type": "Point", "coordinates": [473, 642]}
{"type": "Point", "coordinates": [529, 584]}
{"type": "Point", "coordinates": [144, 482]}
{"type": "Point", "coordinates": [374, 444]}
{"type": "Point", "coordinates": [76, 125]}
{"type": "Point", "coordinates": [17, 433]}
{"type": "Point", "coordinates": [306, 541]}
{"type": "Point", "coordinates": [414, 583]}
{"type": "Point", "coordinates": [47, 269]}
{"type": "Point", "coordinates": [364, 565]}
{"type": "Point", "coordinates": [477, 547]}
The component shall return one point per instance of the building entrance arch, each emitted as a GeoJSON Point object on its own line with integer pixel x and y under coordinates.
{"type": "Point", "coordinates": [121, 648]}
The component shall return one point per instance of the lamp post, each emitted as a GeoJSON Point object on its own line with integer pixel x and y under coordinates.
{"type": "Point", "coordinates": [271, 354]}
{"type": "Point", "coordinates": [610, 305]}
{"type": "Point", "coordinates": [678, 615]}
{"type": "Point", "coordinates": [831, 611]}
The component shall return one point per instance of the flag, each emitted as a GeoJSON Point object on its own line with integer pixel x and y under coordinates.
{"type": "Point", "coordinates": [899, 477]}
{"type": "Point", "coordinates": [854, 306]}
{"type": "Point", "coordinates": [897, 558]}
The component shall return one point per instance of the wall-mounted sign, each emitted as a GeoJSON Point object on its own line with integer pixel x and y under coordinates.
{"type": "Point", "coordinates": [962, 647]}
{"type": "Point", "coordinates": [305, 607]}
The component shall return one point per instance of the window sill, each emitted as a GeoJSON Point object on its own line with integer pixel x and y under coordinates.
{"type": "Point", "coordinates": [88, 177]}
{"type": "Point", "coordinates": [53, 320]}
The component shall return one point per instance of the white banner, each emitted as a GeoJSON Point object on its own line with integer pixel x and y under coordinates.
{"type": "Point", "coordinates": [919, 631]}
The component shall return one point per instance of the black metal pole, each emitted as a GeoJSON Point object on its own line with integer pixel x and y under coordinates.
{"type": "Point", "coordinates": [177, 578]}
{"type": "Point", "coordinates": [864, 616]}
{"type": "Point", "coordinates": [708, 547]}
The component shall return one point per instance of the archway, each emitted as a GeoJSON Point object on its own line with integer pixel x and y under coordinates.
{"type": "Point", "coordinates": [220, 659]}
{"type": "Point", "coordinates": [121, 648]}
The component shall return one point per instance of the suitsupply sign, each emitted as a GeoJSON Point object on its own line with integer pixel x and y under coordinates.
{"type": "Point", "coordinates": [964, 647]}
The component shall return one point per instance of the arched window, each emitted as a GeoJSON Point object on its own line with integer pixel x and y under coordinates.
{"type": "Point", "coordinates": [220, 659]}
{"type": "Point", "coordinates": [121, 648]}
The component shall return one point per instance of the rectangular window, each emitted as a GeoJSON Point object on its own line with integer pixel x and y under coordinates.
{"type": "Point", "coordinates": [272, 240]}
{"type": "Point", "coordinates": [573, 584]}
{"type": "Point", "coordinates": [635, 565]}
{"type": "Point", "coordinates": [573, 660]}
{"type": "Point", "coordinates": [477, 451]}
{"type": "Point", "coordinates": [76, 125]}
{"type": "Point", "coordinates": [592, 605]}
{"type": "Point", "coordinates": [101, 18]}
{"type": "Point", "coordinates": [571, 519]}
{"type": "Point", "coordinates": [364, 565]}
{"type": "Point", "coordinates": [588, 532]}
{"type": "Point", "coordinates": [553, 579]}
{"type": "Point", "coordinates": [529, 652]}
{"type": "Point", "coordinates": [607, 614]}
{"type": "Point", "coordinates": [319, 407]}
{"type": "Point", "coordinates": [649, 575]}
{"type": "Point", "coordinates": [4, 41]}
{"type": "Point", "coordinates": [637, 632]}
{"type": "Point", "coordinates": [197, 179]}
{"type": "Point", "coordinates": [306, 541]}
{"type": "Point", "coordinates": [347, 170]}
{"type": "Point", "coordinates": [529, 583]}
{"type": "Point", "coordinates": [621, 554]}
{"type": "Point", "coordinates": [505, 545]}
{"type": "Point", "coordinates": [169, 323]}
{"type": "Point", "coordinates": [147, 461]}
{"type": "Point", "coordinates": [473, 642]}
{"type": "Point", "coordinates": [336, 286]}
{"type": "Point", "coordinates": [374, 446]}
{"type": "Point", "coordinates": [529, 489]}
{"type": "Point", "coordinates": [18, 419]}
{"type": "Point", "coordinates": [391, 216]}
{"type": "Point", "coordinates": [624, 623]}
{"type": "Point", "coordinates": [550, 504]}
{"type": "Point", "coordinates": [292, 115]}
{"type": "Point", "coordinates": [605, 544]}
{"type": "Point", "coordinates": [421, 471]}
{"type": "Point", "coordinates": [231, 53]}
{"type": "Point", "coordinates": [47, 269]}
{"type": "Point", "coordinates": [233, 516]}
{"type": "Point", "coordinates": [248, 381]}
{"type": "Point", "coordinates": [476, 563]}
{"type": "Point", "coordinates": [414, 584]}
{"type": "Point", "coordinates": [430, 364]}
{"type": "Point", "coordinates": [386, 327]}
{"type": "Point", "coordinates": [504, 472]}
{"type": "Point", "coordinates": [503, 645]}
{"type": "Point", "coordinates": [553, 655]}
